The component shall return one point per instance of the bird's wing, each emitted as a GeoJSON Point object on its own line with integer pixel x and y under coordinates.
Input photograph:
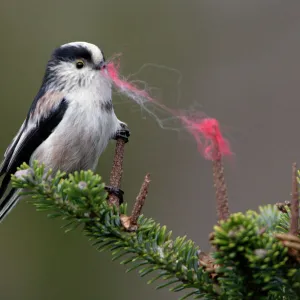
{"type": "Point", "coordinates": [44, 115]}
{"type": "Point", "coordinates": [10, 150]}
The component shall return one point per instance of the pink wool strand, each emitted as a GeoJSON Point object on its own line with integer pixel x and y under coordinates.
{"type": "Point", "coordinates": [206, 131]}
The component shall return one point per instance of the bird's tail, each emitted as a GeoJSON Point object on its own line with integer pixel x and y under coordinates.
{"type": "Point", "coordinates": [9, 203]}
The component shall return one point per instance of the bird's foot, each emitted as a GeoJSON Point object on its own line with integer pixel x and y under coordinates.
{"type": "Point", "coordinates": [123, 133]}
{"type": "Point", "coordinates": [115, 191]}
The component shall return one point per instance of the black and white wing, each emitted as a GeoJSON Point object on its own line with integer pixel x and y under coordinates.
{"type": "Point", "coordinates": [45, 114]}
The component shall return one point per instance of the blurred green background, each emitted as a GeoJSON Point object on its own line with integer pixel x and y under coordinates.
{"type": "Point", "coordinates": [239, 62]}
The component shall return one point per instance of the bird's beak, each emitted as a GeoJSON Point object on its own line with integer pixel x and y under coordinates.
{"type": "Point", "coordinates": [100, 66]}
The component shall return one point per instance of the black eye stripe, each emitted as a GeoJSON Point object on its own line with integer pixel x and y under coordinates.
{"type": "Point", "coordinates": [70, 53]}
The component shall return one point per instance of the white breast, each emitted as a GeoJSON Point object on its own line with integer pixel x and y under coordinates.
{"type": "Point", "coordinates": [83, 134]}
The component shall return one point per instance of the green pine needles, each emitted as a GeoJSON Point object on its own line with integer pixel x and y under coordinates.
{"type": "Point", "coordinates": [253, 263]}
{"type": "Point", "coordinates": [249, 261]}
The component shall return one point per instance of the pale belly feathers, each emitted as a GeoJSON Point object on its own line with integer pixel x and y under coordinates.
{"type": "Point", "coordinates": [80, 138]}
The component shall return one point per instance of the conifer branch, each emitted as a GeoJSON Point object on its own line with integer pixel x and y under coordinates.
{"type": "Point", "coordinates": [81, 200]}
{"type": "Point", "coordinates": [250, 261]}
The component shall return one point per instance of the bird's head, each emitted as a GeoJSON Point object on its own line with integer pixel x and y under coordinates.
{"type": "Point", "coordinates": [73, 65]}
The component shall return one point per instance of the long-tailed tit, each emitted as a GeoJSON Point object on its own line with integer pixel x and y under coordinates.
{"type": "Point", "coordinates": [70, 120]}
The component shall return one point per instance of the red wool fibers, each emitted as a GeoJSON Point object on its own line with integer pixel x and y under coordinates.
{"type": "Point", "coordinates": [113, 73]}
{"type": "Point", "coordinates": [125, 87]}
{"type": "Point", "coordinates": [206, 131]}
{"type": "Point", "coordinates": [130, 90]}
{"type": "Point", "coordinates": [208, 136]}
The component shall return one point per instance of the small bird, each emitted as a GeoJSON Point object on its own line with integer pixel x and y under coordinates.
{"type": "Point", "coordinates": [70, 121]}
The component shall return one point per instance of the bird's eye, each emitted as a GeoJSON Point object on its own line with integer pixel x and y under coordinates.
{"type": "Point", "coordinates": [79, 64]}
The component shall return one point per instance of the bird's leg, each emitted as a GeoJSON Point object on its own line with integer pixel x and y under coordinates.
{"type": "Point", "coordinates": [115, 191]}
{"type": "Point", "coordinates": [123, 133]}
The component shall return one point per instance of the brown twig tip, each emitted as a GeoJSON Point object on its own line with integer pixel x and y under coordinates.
{"type": "Point", "coordinates": [140, 200]}
{"type": "Point", "coordinates": [117, 171]}
{"type": "Point", "coordinates": [220, 185]}
{"type": "Point", "coordinates": [130, 223]}
{"type": "Point", "coordinates": [294, 202]}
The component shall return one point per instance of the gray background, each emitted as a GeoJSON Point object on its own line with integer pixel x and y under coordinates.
{"type": "Point", "coordinates": [239, 62]}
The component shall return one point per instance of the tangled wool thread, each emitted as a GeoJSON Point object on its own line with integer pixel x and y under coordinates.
{"type": "Point", "coordinates": [208, 136]}
{"type": "Point", "coordinates": [206, 131]}
{"type": "Point", "coordinates": [122, 85]}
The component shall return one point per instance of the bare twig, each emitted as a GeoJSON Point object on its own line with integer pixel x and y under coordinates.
{"type": "Point", "coordinates": [295, 202]}
{"type": "Point", "coordinates": [130, 223]}
{"type": "Point", "coordinates": [220, 185]}
{"type": "Point", "coordinates": [117, 170]}
{"type": "Point", "coordinates": [140, 200]}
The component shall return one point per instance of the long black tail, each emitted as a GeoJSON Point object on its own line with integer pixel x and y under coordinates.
{"type": "Point", "coordinates": [9, 203]}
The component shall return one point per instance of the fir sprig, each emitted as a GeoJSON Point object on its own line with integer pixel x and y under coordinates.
{"type": "Point", "coordinates": [254, 265]}
{"type": "Point", "coordinates": [80, 199]}
{"type": "Point", "coordinates": [249, 261]}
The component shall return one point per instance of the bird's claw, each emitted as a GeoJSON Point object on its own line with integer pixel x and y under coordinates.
{"type": "Point", "coordinates": [115, 191]}
{"type": "Point", "coordinates": [123, 133]}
